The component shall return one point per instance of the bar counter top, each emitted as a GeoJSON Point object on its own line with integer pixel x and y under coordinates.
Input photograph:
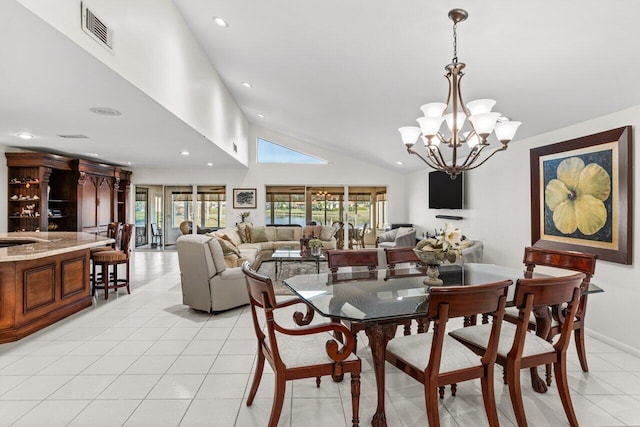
{"type": "Point", "coordinates": [44, 244]}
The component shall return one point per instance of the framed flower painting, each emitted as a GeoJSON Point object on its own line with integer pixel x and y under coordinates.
{"type": "Point", "coordinates": [581, 194]}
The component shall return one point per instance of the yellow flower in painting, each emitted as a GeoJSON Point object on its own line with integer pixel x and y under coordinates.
{"type": "Point", "coordinates": [576, 197]}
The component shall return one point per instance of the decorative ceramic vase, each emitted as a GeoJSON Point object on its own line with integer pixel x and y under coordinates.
{"type": "Point", "coordinates": [433, 264]}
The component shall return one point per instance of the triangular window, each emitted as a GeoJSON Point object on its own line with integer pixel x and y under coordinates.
{"type": "Point", "coordinates": [269, 152]}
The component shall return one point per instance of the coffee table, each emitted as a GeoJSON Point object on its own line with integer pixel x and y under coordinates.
{"type": "Point", "coordinates": [293, 255]}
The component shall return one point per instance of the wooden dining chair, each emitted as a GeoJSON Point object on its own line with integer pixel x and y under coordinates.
{"type": "Point", "coordinates": [435, 359]}
{"type": "Point", "coordinates": [566, 260]}
{"type": "Point", "coordinates": [304, 352]}
{"type": "Point", "coordinates": [519, 348]}
{"type": "Point", "coordinates": [402, 255]}
{"type": "Point", "coordinates": [364, 258]}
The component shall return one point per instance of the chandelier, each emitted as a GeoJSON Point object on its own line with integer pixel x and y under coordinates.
{"type": "Point", "coordinates": [454, 112]}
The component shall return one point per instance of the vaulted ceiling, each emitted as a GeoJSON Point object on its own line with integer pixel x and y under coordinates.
{"type": "Point", "coordinates": [338, 74]}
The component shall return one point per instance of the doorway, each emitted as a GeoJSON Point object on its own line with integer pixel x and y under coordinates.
{"type": "Point", "coordinates": [142, 215]}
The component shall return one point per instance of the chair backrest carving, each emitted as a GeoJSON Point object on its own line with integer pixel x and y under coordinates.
{"type": "Point", "coordinates": [359, 258]}
{"type": "Point", "coordinates": [125, 237]}
{"type": "Point", "coordinates": [568, 260]}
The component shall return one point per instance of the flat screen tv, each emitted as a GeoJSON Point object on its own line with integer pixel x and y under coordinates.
{"type": "Point", "coordinates": [444, 192]}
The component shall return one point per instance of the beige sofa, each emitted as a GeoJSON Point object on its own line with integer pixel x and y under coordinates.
{"type": "Point", "coordinates": [257, 243]}
{"type": "Point", "coordinates": [207, 284]}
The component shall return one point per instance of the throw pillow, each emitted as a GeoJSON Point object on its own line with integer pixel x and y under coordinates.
{"type": "Point", "coordinates": [228, 248]}
{"type": "Point", "coordinates": [327, 232]}
{"type": "Point", "coordinates": [258, 234]}
{"type": "Point", "coordinates": [228, 239]}
{"type": "Point", "coordinates": [284, 234]}
{"type": "Point", "coordinates": [243, 231]}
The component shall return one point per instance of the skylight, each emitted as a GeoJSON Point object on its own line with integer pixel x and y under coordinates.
{"type": "Point", "coordinates": [269, 152]}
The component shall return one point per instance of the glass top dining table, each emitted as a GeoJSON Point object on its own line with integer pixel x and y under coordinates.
{"type": "Point", "coordinates": [382, 299]}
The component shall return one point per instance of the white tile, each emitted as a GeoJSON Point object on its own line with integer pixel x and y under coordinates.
{"type": "Point", "coordinates": [114, 334]}
{"type": "Point", "coordinates": [110, 365]}
{"type": "Point", "coordinates": [11, 411]}
{"type": "Point", "coordinates": [212, 413]}
{"type": "Point", "coordinates": [167, 348]}
{"type": "Point", "coordinates": [83, 387]}
{"type": "Point", "coordinates": [267, 384]}
{"type": "Point", "coordinates": [258, 415]}
{"type": "Point", "coordinates": [148, 333]}
{"type": "Point", "coordinates": [213, 334]}
{"type": "Point", "coordinates": [105, 414]}
{"type": "Point", "coordinates": [36, 387]}
{"type": "Point", "coordinates": [203, 348]}
{"type": "Point", "coordinates": [590, 383]}
{"type": "Point", "coordinates": [28, 365]}
{"type": "Point", "coordinates": [130, 348]}
{"type": "Point", "coordinates": [69, 365]}
{"type": "Point", "coordinates": [130, 387]}
{"type": "Point", "coordinates": [151, 365]}
{"type": "Point", "coordinates": [192, 364]}
{"type": "Point", "coordinates": [239, 333]}
{"type": "Point", "coordinates": [176, 387]}
{"type": "Point", "coordinates": [624, 408]}
{"type": "Point", "coordinates": [52, 413]}
{"type": "Point", "coordinates": [180, 334]}
{"type": "Point", "coordinates": [7, 382]}
{"type": "Point", "coordinates": [158, 413]}
{"type": "Point", "coordinates": [239, 347]}
{"type": "Point", "coordinates": [232, 364]}
{"type": "Point", "coordinates": [323, 412]}
{"type": "Point", "coordinates": [93, 348]}
{"type": "Point", "coordinates": [221, 386]}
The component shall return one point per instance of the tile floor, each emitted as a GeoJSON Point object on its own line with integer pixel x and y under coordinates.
{"type": "Point", "coordinates": [146, 360]}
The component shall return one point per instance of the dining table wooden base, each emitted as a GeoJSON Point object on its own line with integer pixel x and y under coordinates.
{"type": "Point", "coordinates": [379, 335]}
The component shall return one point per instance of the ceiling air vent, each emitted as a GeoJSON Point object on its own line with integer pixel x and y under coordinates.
{"type": "Point", "coordinates": [96, 28]}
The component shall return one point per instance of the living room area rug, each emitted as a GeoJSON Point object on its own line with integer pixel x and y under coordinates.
{"type": "Point", "coordinates": [289, 269]}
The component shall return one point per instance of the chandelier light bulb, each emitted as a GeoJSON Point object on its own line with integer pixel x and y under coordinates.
{"type": "Point", "coordinates": [480, 106]}
{"type": "Point", "coordinates": [484, 123]}
{"type": "Point", "coordinates": [409, 135]}
{"type": "Point", "coordinates": [505, 131]}
{"type": "Point", "coordinates": [433, 109]}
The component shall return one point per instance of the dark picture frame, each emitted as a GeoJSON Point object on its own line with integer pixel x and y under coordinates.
{"type": "Point", "coordinates": [572, 205]}
{"type": "Point", "coordinates": [244, 198]}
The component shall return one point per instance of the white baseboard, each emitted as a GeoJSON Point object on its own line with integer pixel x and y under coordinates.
{"type": "Point", "coordinates": [614, 343]}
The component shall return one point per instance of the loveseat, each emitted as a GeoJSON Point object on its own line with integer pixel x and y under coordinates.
{"type": "Point", "coordinates": [257, 243]}
{"type": "Point", "coordinates": [207, 284]}
{"type": "Point", "coordinates": [397, 238]}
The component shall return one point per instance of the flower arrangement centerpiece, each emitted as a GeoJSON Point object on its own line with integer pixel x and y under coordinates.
{"type": "Point", "coordinates": [315, 245]}
{"type": "Point", "coordinates": [434, 250]}
{"type": "Point", "coordinates": [244, 216]}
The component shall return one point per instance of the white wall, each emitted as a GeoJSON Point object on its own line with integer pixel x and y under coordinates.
{"type": "Point", "coordinates": [341, 170]}
{"type": "Point", "coordinates": [155, 50]}
{"type": "Point", "coordinates": [499, 214]}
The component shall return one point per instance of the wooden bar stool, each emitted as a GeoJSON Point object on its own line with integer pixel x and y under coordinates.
{"type": "Point", "coordinates": [105, 259]}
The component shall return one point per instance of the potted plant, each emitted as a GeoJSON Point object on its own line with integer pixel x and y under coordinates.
{"type": "Point", "coordinates": [315, 245]}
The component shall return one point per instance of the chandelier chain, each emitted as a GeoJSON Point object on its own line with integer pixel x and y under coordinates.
{"type": "Point", "coordinates": [455, 43]}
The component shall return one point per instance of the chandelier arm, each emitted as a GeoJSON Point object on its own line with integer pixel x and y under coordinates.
{"type": "Point", "coordinates": [448, 77]}
{"type": "Point", "coordinates": [411, 151]}
{"type": "Point", "coordinates": [462, 104]}
{"type": "Point", "coordinates": [473, 155]}
{"type": "Point", "coordinates": [504, 147]}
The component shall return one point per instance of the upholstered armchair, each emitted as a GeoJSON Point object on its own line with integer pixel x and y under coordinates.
{"type": "Point", "coordinates": [207, 284]}
{"type": "Point", "coordinates": [397, 238]}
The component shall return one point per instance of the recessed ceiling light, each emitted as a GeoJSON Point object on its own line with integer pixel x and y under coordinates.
{"type": "Point", "coordinates": [184, 152]}
{"type": "Point", "coordinates": [220, 22]}
{"type": "Point", "coordinates": [129, 163]}
{"type": "Point", "coordinates": [261, 116]}
{"type": "Point", "coordinates": [24, 135]}
{"type": "Point", "coordinates": [105, 111]}
{"type": "Point", "coordinates": [399, 163]}
{"type": "Point", "coordinates": [209, 164]}
{"type": "Point", "coordinates": [94, 154]}
{"type": "Point", "coordinates": [247, 85]}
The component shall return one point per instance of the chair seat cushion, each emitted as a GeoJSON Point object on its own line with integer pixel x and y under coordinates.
{"type": "Point", "coordinates": [415, 349]}
{"type": "Point", "coordinates": [305, 350]}
{"type": "Point", "coordinates": [479, 335]}
{"type": "Point", "coordinates": [109, 256]}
